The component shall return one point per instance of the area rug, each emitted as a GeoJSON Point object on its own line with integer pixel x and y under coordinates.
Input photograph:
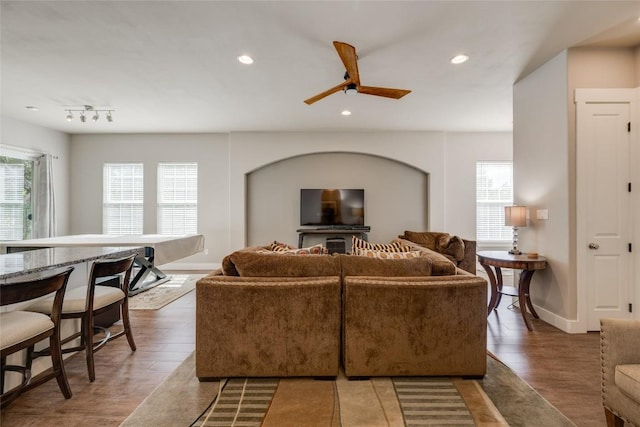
{"type": "Point", "coordinates": [164, 293]}
{"type": "Point", "coordinates": [500, 399]}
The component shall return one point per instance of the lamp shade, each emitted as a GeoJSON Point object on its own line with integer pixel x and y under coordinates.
{"type": "Point", "coordinates": [515, 216]}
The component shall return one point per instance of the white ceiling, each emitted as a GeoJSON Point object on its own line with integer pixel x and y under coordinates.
{"type": "Point", "coordinates": [170, 66]}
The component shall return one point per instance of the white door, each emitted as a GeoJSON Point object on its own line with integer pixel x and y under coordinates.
{"type": "Point", "coordinates": [604, 152]}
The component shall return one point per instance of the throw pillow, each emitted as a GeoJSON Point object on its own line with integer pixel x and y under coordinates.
{"type": "Point", "coordinates": [357, 243]}
{"type": "Point", "coordinates": [280, 247]}
{"type": "Point", "coordinates": [311, 250]}
{"type": "Point", "coordinates": [443, 243]}
{"type": "Point", "coordinates": [387, 255]}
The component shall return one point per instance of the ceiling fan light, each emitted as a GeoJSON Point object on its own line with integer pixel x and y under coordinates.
{"type": "Point", "coordinates": [351, 89]}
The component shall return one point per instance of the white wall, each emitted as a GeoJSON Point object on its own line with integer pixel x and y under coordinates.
{"type": "Point", "coordinates": [462, 151]}
{"type": "Point", "coordinates": [225, 159]}
{"type": "Point", "coordinates": [426, 151]}
{"type": "Point", "coordinates": [250, 151]}
{"type": "Point", "coordinates": [544, 152]}
{"type": "Point", "coordinates": [24, 135]}
{"type": "Point", "coordinates": [541, 181]}
{"type": "Point", "coordinates": [90, 152]}
{"type": "Point", "coordinates": [396, 195]}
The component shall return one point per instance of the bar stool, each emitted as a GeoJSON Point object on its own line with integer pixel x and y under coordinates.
{"type": "Point", "coordinates": [86, 302]}
{"type": "Point", "coordinates": [21, 330]}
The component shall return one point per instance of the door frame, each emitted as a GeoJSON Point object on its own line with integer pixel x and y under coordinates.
{"type": "Point", "coordinates": [622, 96]}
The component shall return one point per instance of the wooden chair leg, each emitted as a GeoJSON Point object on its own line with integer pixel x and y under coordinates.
{"type": "Point", "coordinates": [87, 333]}
{"type": "Point", "coordinates": [612, 419]}
{"type": "Point", "coordinates": [58, 366]}
{"type": "Point", "coordinates": [127, 325]}
{"type": "Point", "coordinates": [3, 362]}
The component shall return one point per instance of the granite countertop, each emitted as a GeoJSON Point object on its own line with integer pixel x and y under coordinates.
{"type": "Point", "coordinates": [34, 261]}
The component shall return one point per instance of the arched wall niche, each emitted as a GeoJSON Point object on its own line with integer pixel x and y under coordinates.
{"type": "Point", "coordinates": [396, 194]}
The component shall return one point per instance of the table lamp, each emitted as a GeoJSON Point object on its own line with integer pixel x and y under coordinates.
{"type": "Point", "coordinates": [515, 216]}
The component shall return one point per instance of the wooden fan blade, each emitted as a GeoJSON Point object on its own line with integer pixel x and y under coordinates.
{"type": "Point", "coordinates": [383, 91]}
{"type": "Point", "coordinates": [326, 93]}
{"type": "Point", "coordinates": [349, 58]}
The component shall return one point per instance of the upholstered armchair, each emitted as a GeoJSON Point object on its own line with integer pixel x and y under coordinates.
{"type": "Point", "coordinates": [620, 356]}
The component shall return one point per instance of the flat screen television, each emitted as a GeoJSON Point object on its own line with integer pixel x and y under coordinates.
{"type": "Point", "coordinates": [331, 207]}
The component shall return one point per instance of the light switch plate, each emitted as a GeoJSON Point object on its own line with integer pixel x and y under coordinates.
{"type": "Point", "coordinates": [542, 214]}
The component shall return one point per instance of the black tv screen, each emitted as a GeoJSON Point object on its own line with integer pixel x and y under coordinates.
{"type": "Point", "coordinates": [330, 206]}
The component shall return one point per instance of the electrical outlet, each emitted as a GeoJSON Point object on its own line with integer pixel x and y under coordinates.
{"type": "Point", "coordinates": [542, 214]}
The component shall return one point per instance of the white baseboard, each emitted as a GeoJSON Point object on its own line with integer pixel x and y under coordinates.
{"type": "Point", "coordinates": [566, 325]}
{"type": "Point", "coordinates": [202, 266]}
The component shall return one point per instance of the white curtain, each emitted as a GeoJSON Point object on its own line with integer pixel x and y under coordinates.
{"type": "Point", "coordinates": [44, 217]}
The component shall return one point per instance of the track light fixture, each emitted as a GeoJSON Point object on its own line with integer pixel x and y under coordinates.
{"type": "Point", "coordinates": [85, 109]}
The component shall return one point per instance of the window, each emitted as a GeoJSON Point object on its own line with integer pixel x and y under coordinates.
{"type": "Point", "coordinates": [494, 191]}
{"type": "Point", "coordinates": [177, 198]}
{"type": "Point", "coordinates": [16, 207]}
{"type": "Point", "coordinates": [122, 198]}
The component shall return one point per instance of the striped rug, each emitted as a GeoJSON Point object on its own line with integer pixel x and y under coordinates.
{"type": "Point", "coordinates": [426, 401]}
{"type": "Point", "coordinates": [240, 402]}
{"type": "Point", "coordinates": [376, 402]}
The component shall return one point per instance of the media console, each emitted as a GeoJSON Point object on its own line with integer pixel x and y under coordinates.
{"type": "Point", "coordinates": [361, 232]}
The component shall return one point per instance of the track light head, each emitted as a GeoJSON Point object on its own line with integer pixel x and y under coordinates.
{"type": "Point", "coordinates": [85, 110]}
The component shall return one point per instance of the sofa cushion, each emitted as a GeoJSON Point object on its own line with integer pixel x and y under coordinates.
{"type": "Point", "coordinates": [355, 265]}
{"type": "Point", "coordinates": [387, 255]}
{"type": "Point", "coordinates": [227, 266]}
{"type": "Point", "coordinates": [627, 378]}
{"type": "Point", "coordinates": [440, 264]}
{"type": "Point", "coordinates": [357, 243]}
{"type": "Point", "coordinates": [443, 243]}
{"type": "Point", "coordinates": [274, 264]}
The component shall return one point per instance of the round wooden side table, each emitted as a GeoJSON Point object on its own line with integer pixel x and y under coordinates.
{"type": "Point", "coordinates": [503, 259]}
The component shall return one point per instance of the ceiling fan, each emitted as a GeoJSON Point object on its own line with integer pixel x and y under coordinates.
{"type": "Point", "coordinates": [351, 83]}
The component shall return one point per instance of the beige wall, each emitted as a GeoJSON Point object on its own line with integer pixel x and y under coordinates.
{"type": "Point", "coordinates": [396, 195]}
{"type": "Point", "coordinates": [545, 164]}
{"type": "Point", "coordinates": [24, 135]}
{"type": "Point", "coordinates": [90, 152]}
{"type": "Point", "coordinates": [226, 159]}
{"type": "Point", "coordinates": [541, 181]}
{"type": "Point", "coordinates": [462, 151]}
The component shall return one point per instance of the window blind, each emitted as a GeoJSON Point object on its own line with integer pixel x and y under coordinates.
{"type": "Point", "coordinates": [494, 191]}
{"type": "Point", "coordinates": [177, 198]}
{"type": "Point", "coordinates": [123, 196]}
{"type": "Point", "coordinates": [11, 201]}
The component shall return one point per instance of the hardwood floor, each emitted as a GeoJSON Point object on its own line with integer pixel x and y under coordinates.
{"type": "Point", "coordinates": [564, 368]}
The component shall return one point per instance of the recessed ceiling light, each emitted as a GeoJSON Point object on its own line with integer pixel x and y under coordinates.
{"type": "Point", "coordinates": [459, 59]}
{"type": "Point", "coordinates": [245, 59]}
{"type": "Point", "coordinates": [346, 113]}
{"type": "Point", "coordinates": [31, 108]}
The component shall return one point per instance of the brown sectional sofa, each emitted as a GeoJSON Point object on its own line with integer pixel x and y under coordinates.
{"type": "Point", "coordinates": [280, 315]}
